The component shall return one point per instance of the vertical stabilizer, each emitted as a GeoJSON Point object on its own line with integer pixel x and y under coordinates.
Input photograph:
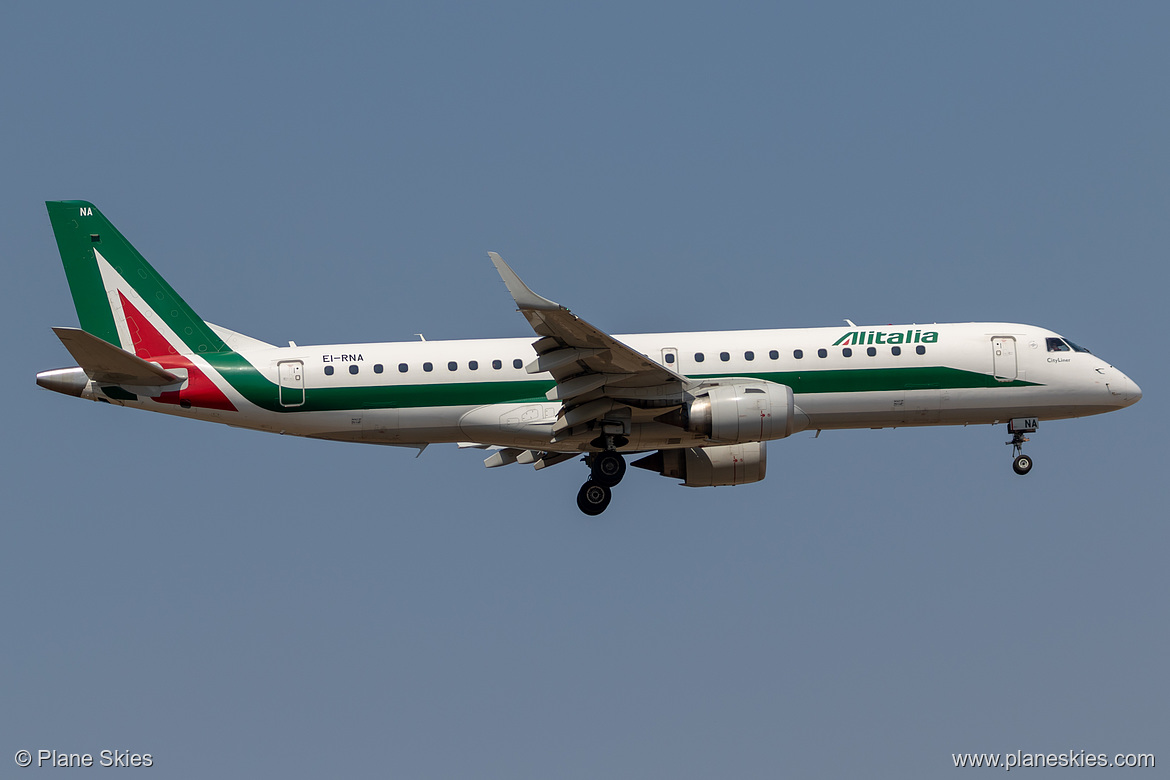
{"type": "Point", "coordinates": [114, 287]}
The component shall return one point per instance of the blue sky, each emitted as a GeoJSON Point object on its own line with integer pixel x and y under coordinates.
{"type": "Point", "coordinates": [239, 604]}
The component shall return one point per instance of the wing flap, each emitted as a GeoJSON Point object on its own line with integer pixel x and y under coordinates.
{"type": "Point", "coordinates": [502, 457]}
{"type": "Point", "coordinates": [558, 358]}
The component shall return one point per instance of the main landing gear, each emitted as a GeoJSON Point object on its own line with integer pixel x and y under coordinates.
{"type": "Point", "coordinates": [606, 470]}
{"type": "Point", "coordinates": [1017, 427]}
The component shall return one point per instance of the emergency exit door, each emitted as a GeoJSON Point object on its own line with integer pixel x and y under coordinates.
{"type": "Point", "coordinates": [292, 382]}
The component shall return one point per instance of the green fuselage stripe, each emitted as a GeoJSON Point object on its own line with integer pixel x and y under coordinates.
{"type": "Point", "coordinates": [876, 380]}
{"type": "Point", "coordinates": [265, 394]}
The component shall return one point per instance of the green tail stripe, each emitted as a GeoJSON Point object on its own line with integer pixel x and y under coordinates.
{"type": "Point", "coordinates": [80, 228]}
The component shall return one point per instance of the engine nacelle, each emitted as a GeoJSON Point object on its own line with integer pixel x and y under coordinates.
{"type": "Point", "coordinates": [742, 411]}
{"type": "Point", "coordinates": [728, 464]}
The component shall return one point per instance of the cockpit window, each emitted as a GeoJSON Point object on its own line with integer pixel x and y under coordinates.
{"type": "Point", "coordinates": [1064, 345]}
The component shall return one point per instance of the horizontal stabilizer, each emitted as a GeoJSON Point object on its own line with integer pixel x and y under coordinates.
{"type": "Point", "coordinates": [104, 362]}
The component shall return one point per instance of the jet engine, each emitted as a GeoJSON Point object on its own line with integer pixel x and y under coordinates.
{"type": "Point", "coordinates": [749, 410]}
{"type": "Point", "coordinates": [729, 464]}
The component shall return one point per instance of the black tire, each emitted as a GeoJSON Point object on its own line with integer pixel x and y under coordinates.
{"type": "Point", "coordinates": [1022, 464]}
{"type": "Point", "coordinates": [593, 498]}
{"type": "Point", "coordinates": [608, 468]}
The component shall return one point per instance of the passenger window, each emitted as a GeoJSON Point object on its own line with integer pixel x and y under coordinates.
{"type": "Point", "coordinates": [497, 364]}
{"type": "Point", "coordinates": [377, 368]}
{"type": "Point", "coordinates": [774, 355]}
{"type": "Point", "coordinates": [669, 357]}
{"type": "Point", "coordinates": [895, 351]}
{"type": "Point", "coordinates": [452, 366]}
{"type": "Point", "coordinates": [724, 356]}
{"type": "Point", "coordinates": [517, 363]}
{"type": "Point", "coordinates": [428, 367]}
{"type": "Point", "coordinates": [871, 351]}
{"type": "Point", "coordinates": [822, 353]}
{"type": "Point", "coordinates": [1057, 345]}
{"type": "Point", "coordinates": [847, 352]}
{"type": "Point", "coordinates": [698, 357]}
{"type": "Point", "coordinates": [798, 353]}
{"type": "Point", "coordinates": [403, 368]}
{"type": "Point", "coordinates": [749, 355]}
{"type": "Point", "coordinates": [921, 350]}
{"type": "Point", "coordinates": [328, 370]}
{"type": "Point", "coordinates": [353, 368]}
{"type": "Point", "coordinates": [473, 365]}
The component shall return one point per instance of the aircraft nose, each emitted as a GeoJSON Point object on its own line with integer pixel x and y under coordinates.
{"type": "Point", "coordinates": [1133, 392]}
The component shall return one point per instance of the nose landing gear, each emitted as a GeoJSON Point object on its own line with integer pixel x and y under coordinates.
{"type": "Point", "coordinates": [606, 471]}
{"type": "Point", "coordinates": [1017, 427]}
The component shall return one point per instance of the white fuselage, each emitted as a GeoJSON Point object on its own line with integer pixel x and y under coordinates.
{"type": "Point", "coordinates": [413, 393]}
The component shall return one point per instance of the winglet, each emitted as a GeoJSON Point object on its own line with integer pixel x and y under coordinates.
{"type": "Point", "coordinates": [524, 297]}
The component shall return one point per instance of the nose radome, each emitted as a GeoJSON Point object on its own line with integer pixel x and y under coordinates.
{"type": "Point", "coordinates": [1133, 392]}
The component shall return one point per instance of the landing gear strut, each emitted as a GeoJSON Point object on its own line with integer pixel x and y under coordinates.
{"type": "Point", "coordinates": [606, 470]}
{"type": "Point", "coordinates": [1017, 427]}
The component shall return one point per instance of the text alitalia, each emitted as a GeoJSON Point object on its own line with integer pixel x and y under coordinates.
{"type": "Point", "coordinates": [858, 337]}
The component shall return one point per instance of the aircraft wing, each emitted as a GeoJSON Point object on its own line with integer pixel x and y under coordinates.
{"type": "Point", "coordinates": [104, 362]}
{"type": "Point", "coordinates": [595, 373]}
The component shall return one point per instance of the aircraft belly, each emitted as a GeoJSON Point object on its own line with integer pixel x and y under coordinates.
{"type": "Point", "coordinates": [963, 406]}
{"type": "Point", "coordinates": [375, 426]}
{"type": "Point", "coordinates": [655, 436]}
{"type": "Point", "coordinates": [864, 409]}
{"type": "Point", "coordinates": [527, 425]}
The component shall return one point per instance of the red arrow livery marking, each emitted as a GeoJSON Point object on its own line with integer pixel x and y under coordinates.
{"type": "Point", "coordinates": [149, 344]}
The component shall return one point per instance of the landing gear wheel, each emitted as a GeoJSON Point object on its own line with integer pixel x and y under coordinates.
{"type": "Point", "coordinates": [1022, 464]}
{"type": "Point", "coordinates": [608, 468]}
{"type": "Point", "coordinates": [593, 498]}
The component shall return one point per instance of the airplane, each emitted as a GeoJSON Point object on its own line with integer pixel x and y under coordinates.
{"type": "Point", "coordinates": [699, 407]}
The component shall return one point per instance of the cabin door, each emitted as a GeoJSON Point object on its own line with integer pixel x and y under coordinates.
{"type": "Point", "coordinates": [1003, 357]}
